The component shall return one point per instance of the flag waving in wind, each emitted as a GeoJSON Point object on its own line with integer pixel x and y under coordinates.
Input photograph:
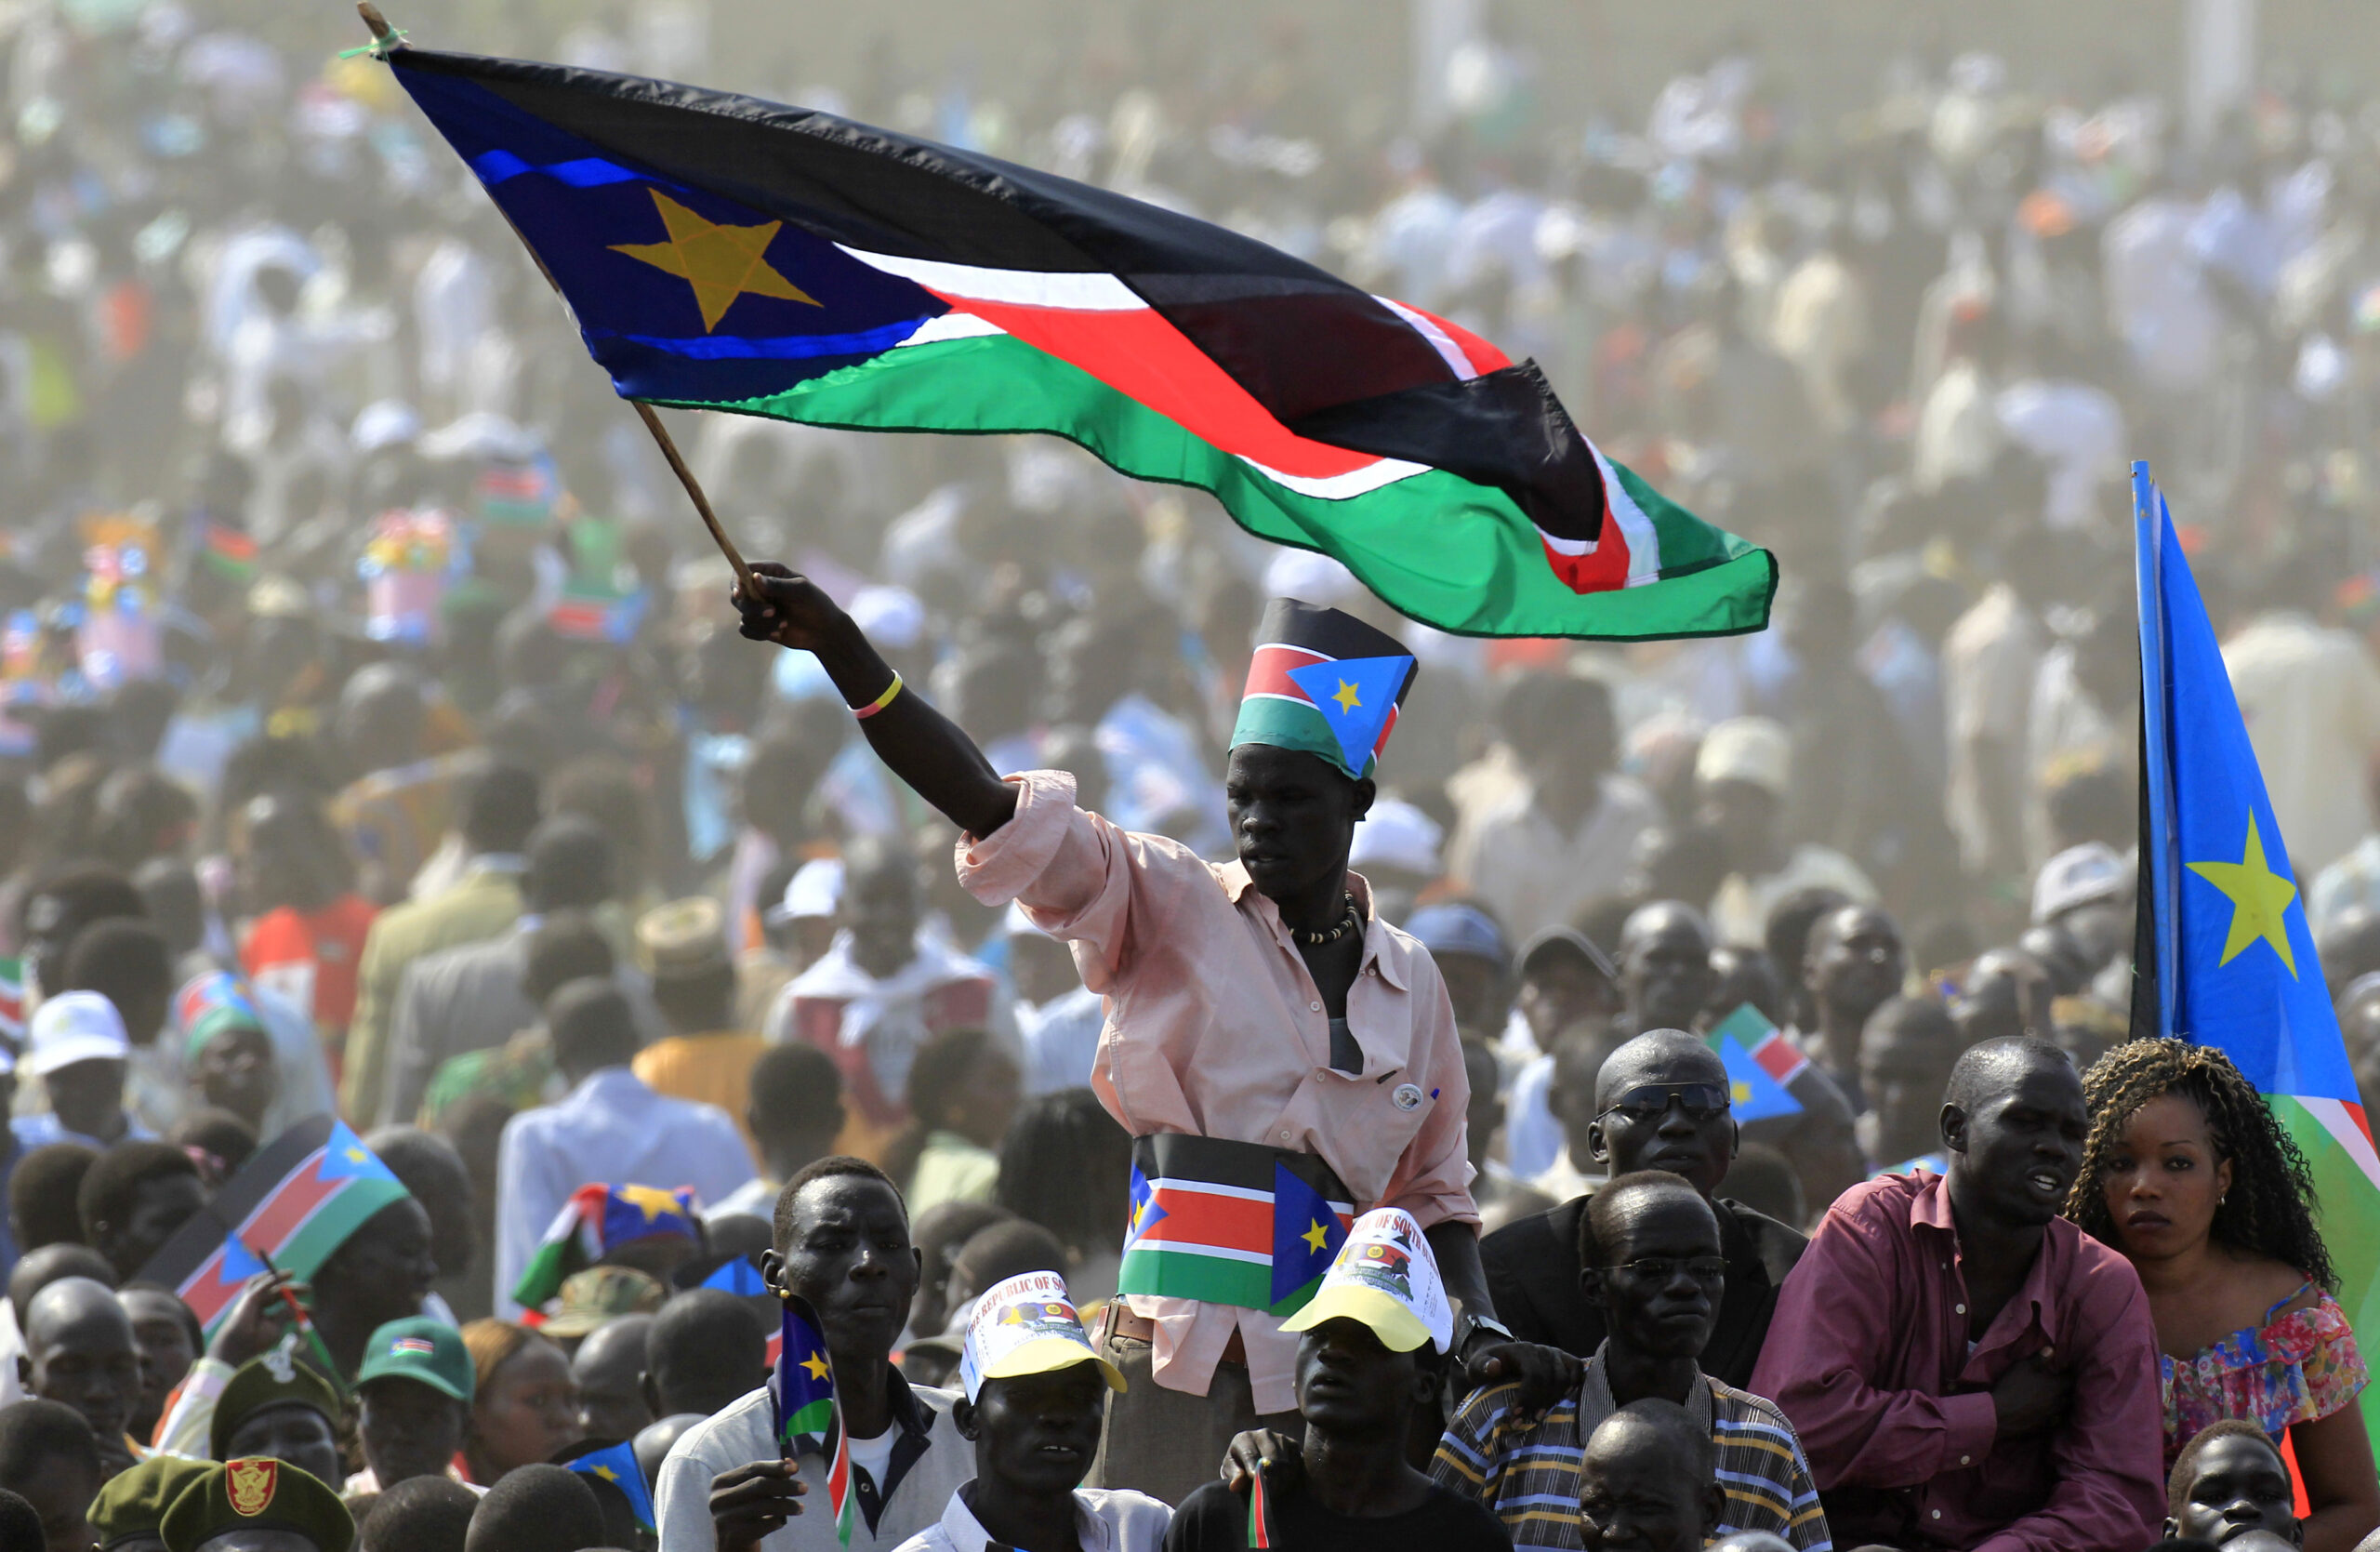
{"type": "Point", "coordinates": [724, 253]}
{"type": "Point", "coordinates": [2227, 957]}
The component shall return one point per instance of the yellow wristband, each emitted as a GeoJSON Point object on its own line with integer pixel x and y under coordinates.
{"type": "Point", "coordinates": [880, 702]}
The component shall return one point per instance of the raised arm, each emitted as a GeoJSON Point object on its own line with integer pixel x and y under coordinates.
{"type": "Point", "coordinates": [923, 748]}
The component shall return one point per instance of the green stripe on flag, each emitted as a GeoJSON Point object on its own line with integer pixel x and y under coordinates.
{"type": "Point", "coordinates": [302, 1254]}
{"type": "Point", "coordinates": [1439, 549]}
{"type": "Point", "coordinates": [2347, 1212]}
{"type": "Point", "coordinates": [1185, 1274]}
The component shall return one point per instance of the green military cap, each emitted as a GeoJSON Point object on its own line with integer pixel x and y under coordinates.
{"type": "Point", "coordinates": [258, 1495]}
{"type": "Point", "coordinates": [271, 1381]}
{"type": "Point", "coordinates": [133, 1505]}
{"type": "Point", "coordinates": [600, 1295]}
{"type": "Point", "coordinates": [422, 1349]}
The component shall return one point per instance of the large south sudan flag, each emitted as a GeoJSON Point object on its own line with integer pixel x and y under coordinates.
{"type": "Point", "coordinates": [2223, 953]}
{"type": "Point", "coordinates": [724, 253]}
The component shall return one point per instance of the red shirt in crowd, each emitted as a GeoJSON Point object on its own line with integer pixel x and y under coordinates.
{"type": "Point", "coordinates": [312, 957]}
{"type": "Point", "coordinates": [1868, 1358]}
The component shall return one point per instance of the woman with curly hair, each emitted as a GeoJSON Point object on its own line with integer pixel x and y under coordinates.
{"type": "Point", "coordinates": [2188, 1174]}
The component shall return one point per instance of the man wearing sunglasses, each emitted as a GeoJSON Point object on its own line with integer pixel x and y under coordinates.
{"type": "Point", "coordinates": [1661, 1103]}
{"type": "Point", "coordinates": [1649, 1250]}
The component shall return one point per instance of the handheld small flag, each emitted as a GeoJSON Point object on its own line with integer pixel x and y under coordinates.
{"type": "Point", "coordinates": [1260, 1527]}
{"type": "Point", "coordinates": [2224, 954]}
{"type": "Point", "coordinates": [617, 1465]}
{"type": "Point", "coordinates": [802, 1397]}
{"type": "Point", "coordinates": [1760, 1062]}
{"type": "Point", "coordinates": [595, 1220]}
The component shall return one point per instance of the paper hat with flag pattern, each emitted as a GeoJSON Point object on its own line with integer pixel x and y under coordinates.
{"type": "Point", "coordinates": [1325, 683]}
{"type": "Point", "coordinates": [596, 1220]}
{"type": "Point", "coordinates": [1386, 1278]}
{"type": "Point", "coordinates": [1026, 1325]}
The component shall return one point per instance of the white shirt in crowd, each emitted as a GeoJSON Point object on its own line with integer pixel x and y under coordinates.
{"type": "Point", "coordinates": [743, 1434]}
{"type": "Point", "coordinates": [1105, 1520]}
{"type": "Point", "coordinates": [1988, 662]}
{"type": "Point", "coordinates": [2311, 699]}
{"type": "Point", "coordinates": [1516, 858]}
{"type": "Point", "coordinates": [614, 1130]}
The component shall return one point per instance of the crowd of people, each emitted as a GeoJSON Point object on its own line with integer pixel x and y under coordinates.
{"type": "Point", "coordinates": [1682, 1092]}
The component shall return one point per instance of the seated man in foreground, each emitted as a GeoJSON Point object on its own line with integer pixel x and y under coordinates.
{"type": "Point", "coordinates": [1372, 1346]}
{"type": "Point", "coordinates": [842, 1243]}
{"type": "Point", "coordinates": [1650, 1245]}
{"type": "Point", "coordinates": [1965, 1367]}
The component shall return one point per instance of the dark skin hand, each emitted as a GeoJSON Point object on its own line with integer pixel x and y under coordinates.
{"type": "Point", "coordinates": [1291, 824]}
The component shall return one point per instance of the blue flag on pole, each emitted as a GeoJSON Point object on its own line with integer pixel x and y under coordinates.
{"type": "Point", "coordinates": [2225, 955]}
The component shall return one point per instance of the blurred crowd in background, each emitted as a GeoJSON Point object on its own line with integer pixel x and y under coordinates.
{"type": "Point", "coordinates": [357, 645]}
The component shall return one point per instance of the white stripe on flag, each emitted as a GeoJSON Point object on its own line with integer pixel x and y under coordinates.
{"type": "Point", "coordinates": [2345, 1132]}
{"type": "Point", "coordinates": [1644, 540]}
{"type": "Point", "coordinates": [1147, 1245]}
{"type": "Point", "coordinates": [1440, 341]}
{"type": "Point", "coordinates": [951, 326]}
{"type": "Point", "coordinates": [1370, 477]}
{"type": "Point", "coordinates": [1081, 292]}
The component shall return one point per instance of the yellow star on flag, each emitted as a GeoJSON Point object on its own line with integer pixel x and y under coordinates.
{"type": "Point", "coordinates": [651, 1201]}
{"type": "Point", "coordinates": [816, 1364]}
{"type": "Point", "coordinates": [721, 262]}
{"type": "Point", "coordinates": [606, 1473]}
{"type": "Point", "coordinates": [1315, 1236]}
{"type": "Point", "coordinates": [2259, 900]}
{"type": "Point", "coordinates": [1347, 699]}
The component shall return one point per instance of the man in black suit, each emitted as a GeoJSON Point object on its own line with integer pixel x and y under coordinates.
{"type": "Point", "coordinates": [1661, 1103]}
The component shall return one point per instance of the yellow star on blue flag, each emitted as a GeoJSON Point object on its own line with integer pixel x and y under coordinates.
{"type": "Point", "coordinates": [2260, 901]}
{"type": "Point", "coordinates": [1357, 696]}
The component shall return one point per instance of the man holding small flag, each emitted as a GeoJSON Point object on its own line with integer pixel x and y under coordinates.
{"type": "Point", "coordinates": [1283, 1057]}
{"type": "Point", "coordinates": [837, 1450]}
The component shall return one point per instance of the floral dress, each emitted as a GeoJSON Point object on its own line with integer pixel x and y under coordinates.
{"type": "Point", "coordinates": [2295, 1368]}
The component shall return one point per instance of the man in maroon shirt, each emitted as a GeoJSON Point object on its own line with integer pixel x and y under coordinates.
{"type": "Point", "coordinates": [1967, 1368]}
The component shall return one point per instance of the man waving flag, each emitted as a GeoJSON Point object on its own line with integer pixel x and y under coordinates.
{"type": "Point", "coordinates": [2226, 956]}
{"type": "Point", "coordinates": [724, 253]}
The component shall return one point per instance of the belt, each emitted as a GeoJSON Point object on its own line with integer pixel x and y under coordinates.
{"type": "Point", "coordinates": [1231, 1222]}
{"type": "Point", "coordinates": [1122, 1322]}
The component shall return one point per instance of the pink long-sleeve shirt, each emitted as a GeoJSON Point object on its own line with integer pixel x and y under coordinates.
{"type": "Point", "coordinates": [1868, 1358]}
{"type": "Point", "coordinates": [1215, 1028]}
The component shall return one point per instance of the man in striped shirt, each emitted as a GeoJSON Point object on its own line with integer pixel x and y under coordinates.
{"type": "Point", "coordinates": [1650, 1254]}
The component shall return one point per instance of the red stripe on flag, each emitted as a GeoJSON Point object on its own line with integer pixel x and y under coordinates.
{"type": "Point", "coordinates": [1201, 1218]}
{"type": "Point", "coordinates": [205, 1292]}
{"type": "Point", "coordinates": [1268, 672]}
{"type": "Point", "coordinates": [1485, 357]}
{"type": "Point", "coordinates": [1779, 1058]}
{"type": "Point", "coordinates": [1259, 1528]}
{"type": "Point", "coordinates": [1140, 355]}
{"type": "Point", "coordinates": [300, 1194]}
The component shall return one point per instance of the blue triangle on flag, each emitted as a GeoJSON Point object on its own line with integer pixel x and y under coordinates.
{"type": "Point", "coordinates": [1306, 1233]}
{"type": "Point", "coordinates": [346, 1157]}
{"type": "Point", "coordinates": [1755, 1095]}
{"type": "Point", "coordinates": [1146, 1213]}
{"type": "Point", "coordinates": [739, 1277]}
{"type": "Point", "coordinates": [1356, 696]}
{"type": "Point", "coordinates": [239, 1263]}
{"type": "Point", "coordinates": [617, 1465]}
